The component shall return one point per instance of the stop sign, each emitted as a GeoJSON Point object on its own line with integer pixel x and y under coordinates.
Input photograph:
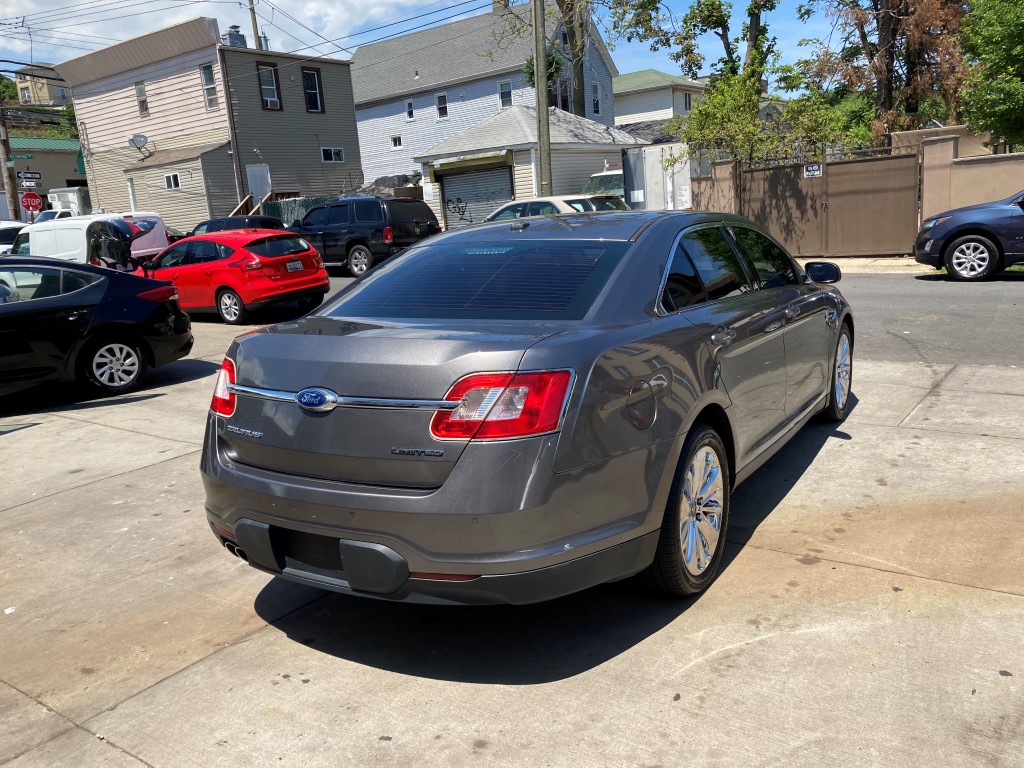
{"type": "Point", "coordinates": [32, 202]}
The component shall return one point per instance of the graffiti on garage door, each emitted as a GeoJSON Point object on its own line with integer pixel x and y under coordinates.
{"type": "Point", "coordinates": [470, 197]}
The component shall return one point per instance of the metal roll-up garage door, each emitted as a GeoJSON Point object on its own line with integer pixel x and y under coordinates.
{"type": "Point", "coordinates": [470, 197]}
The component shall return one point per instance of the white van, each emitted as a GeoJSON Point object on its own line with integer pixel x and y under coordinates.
{"type": "Point", "coordinates": [76, 239]}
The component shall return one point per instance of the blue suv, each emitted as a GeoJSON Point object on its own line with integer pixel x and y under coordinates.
{"type": "Point", "coordinates": [976, 241]}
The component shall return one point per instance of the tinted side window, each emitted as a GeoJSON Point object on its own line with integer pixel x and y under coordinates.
{"type": "Point", "coordinates": [173, 256]}
{"type": "Point", "coordinates": [204, 251]}
{"type": "Point", "coordinates": [217, 226]}
{"type": "Point", "coordinates": [409, 211]}
{"type": "Point", "coordinates": [76, 281]}
{"type": "Point", "coordinates": [771, 264]}
{"type": "Point", "coordinates": [338, 215]}
{"type": "Point", "coordinates": [580, 205]}
{"type": "Point", "coordinates": [368, 211]}
{"type": "Point", "coordinates": [511, 212]}
{"type": "Point", "coordinates": [200, 228]}
{"type": "Point", "coordinates": [682, 287]}
{"type": "Point", "coordinates": [716, 262]}
{"type": "Point", "coordinates": [317, 217]}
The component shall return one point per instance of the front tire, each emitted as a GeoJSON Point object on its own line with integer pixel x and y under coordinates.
{"type": "Point", "coordinates": [693, 530]}
{"type": "Point", "coordinates": [359, 260]}
{"type": "Point", "coordinates": [114, 367]}
{"type": "Point", "coordinates": [230, 307]}
{"type": "Point", "coordinates": [972, 258]}
{"type": "Point", "coordinates": [842, 378]}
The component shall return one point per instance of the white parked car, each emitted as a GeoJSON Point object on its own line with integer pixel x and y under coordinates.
{"type": "Point", "coordinates": [544, 206]}
{"type": "Point", "coordinates": [8, 231]}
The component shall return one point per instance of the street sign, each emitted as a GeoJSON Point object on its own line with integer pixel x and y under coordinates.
{"type": "Point", "coordinates": [21, 157]}
{"type": "Point", "coordinates": [25, 183]}
{"type": "Point", "coordinates": [812, 171]}
{"type": "Point", "coordinates": [32, 202]}
{"type": "Point", "coordinates": [29, 175]}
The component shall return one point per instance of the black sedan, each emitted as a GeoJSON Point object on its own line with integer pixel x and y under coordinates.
{"type": "Point", "coordinates": [517, 411]}
{"type": "Point", "coordinates": [976, 241]}
{"type": "Point", "coordinates": [64, 322]}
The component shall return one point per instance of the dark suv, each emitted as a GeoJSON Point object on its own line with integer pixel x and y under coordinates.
{"type": "Point", "coordinates": [976, 241]}
{"type": "Point", "coordinates": [237, 222]}
{"type": "Point", "coordinates": [357, 231]}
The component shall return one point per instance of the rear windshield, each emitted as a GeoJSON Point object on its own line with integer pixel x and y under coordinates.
{"type": "Point", "coordinates": [608, 204]}
{"type": "Point", "coordinates": [529, 279]}
{"type": "Point", "coordinates": [284, 245]}
{"type": "Point", "coordinates": [408, 211]}
{"type": "Point", "coordinates": [7, 235]}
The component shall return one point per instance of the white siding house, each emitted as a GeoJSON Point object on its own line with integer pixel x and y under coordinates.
{"type": "Point", "coordinates": [452, 77]}
{"type": "Point", "coordinates": [650, 95]}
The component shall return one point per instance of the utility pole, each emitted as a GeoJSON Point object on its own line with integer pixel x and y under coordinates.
{"type": "Point", "coordinates": [7, 163]}
{"type": "Point", "coordinates": [255, 31]}
{"type": "Point", "coordinates": [540, 84]}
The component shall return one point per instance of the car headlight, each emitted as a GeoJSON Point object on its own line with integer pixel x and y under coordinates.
{"type": "Point", "coordinates": [932, 222]}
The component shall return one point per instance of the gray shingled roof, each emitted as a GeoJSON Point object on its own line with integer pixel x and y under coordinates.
{"type": "Point", "coordinates": [517, 127]}
{"type": "Point", "coordinates": [459, 50]}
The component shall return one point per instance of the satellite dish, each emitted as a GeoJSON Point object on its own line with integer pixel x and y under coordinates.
{"type": "Point", "coordinates": [138, 141]}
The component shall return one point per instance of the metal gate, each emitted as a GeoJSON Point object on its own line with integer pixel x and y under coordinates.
{"type": "Point", "coordinates": [468, 198]}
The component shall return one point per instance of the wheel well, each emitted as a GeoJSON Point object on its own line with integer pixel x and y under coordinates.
{"type": "Point", "coordinates": [978, 232]}
{"type": "Point", "coordinates": [714, 416]}
{"type": "Point", "coordinates": [353, 243]}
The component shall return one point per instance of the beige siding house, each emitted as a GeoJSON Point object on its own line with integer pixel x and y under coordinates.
{"type": "Point", "coordinates": [39, 85]}
{"type": "Point", "coordinates": [175, 122]}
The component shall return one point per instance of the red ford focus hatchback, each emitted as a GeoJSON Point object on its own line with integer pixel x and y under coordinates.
{"type": "Point", "coordinates": [237, 271]}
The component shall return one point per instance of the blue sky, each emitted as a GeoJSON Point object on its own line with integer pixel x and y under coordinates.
{"type": "Point", "coordinates": [63, 29]}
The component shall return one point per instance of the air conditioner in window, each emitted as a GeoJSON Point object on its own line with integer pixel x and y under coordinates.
{"type": "Point", "coordinates": [271, 103]}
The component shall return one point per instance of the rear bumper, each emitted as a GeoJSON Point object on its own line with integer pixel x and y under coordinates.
{"type": "Point", "coordinates": [289, 296]}
{"type": "Point", "coordinates": [377, 571]}
{"type": "Point", "coordinates": [167, 349]}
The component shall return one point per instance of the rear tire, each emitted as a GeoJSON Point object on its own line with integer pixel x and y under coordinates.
{"type": "Point", "coordinates": [694, 526]}
{"type": "Point", "coordinates": [115, 367]}
{"type": "Point", "coordinates": [359, 260]}
{"type": "Point", "coordinates": [972, 258]}
{"type": "Point", "coordinates": [230, 307]}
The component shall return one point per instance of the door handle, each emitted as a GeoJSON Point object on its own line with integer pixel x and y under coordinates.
{"type": "Point", "coordinates": [792, 313]}
{"type": "Point", "coordinates": [209, 272]}
{"type": "Point", "coordinates": [723, 336]}
{"type": "Point", "coordinates": [72, 315]}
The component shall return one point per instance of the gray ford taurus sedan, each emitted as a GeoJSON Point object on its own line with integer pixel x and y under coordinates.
{"type": "Point", "coordinates": [514, 412]}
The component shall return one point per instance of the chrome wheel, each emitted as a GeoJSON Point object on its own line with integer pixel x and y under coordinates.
{"type": "Point", "coordinates": [844, 371]}
{"type": "Point", "coordinates": [230, 306]}
{"type": "Point", "coordinates": [971, 259]}
{"type": "Point", "coordinates": [359, 260]}
{"type": "Point", "coordinates": [116, 366]}
{"type": "Point", "coordinates": [701, 513]}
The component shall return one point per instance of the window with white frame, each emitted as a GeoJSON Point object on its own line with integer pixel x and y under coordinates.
{"type": "Point", "coordinates": [505, 94]}
{"type": "Point", "coordinates": [441, 101]}
{"type": "Point", "coordinates": [26, 96]}
{"type": "Point", "coordinates": [687, 101]}
{"type": "Point", "coordinates": [396, 142]}
{"type": "Point", "coordinates": [270, 87]}
{"type": "Point", "coordinates": [209, 85]}
{"type": "Point", "coordinates": [142, 99]}
{"type": "Point", "coordinates": [332, 154]}
{"type": "Point", "coordinates": [409, 112]}
{"type": "Point", "coordinates": [595, 97]}
{"type": "Point", "coordinates": [172, 181]}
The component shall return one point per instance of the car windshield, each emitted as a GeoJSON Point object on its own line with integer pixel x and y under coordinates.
{"type": "Point", "coordinates": [609, 203]}
{"type": "Point", "coordinates": [524, 280]}
{"type": "Point", "coordinates": [285, 245]}
{"type": "Point", "coordinates": [46, 216]}
{"type": "Point", "coordinates": [605, 184]}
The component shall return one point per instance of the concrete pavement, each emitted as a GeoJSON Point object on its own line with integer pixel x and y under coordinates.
{"type": "Point", "coordinates": [869, 613]}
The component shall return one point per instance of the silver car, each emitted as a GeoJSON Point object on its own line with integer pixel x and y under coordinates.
{"type": "Point", "coordinates": [515, 412]}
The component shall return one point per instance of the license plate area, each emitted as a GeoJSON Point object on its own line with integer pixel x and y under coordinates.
{"type": "Point", "coordinates": [307, 552]}
{"type": "Point", "coordinates": [294, 266]}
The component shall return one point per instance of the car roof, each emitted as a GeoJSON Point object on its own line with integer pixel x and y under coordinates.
{"type": "Point", "coordinates": [557, 198]}
{"type": "Point", "coordinates": [237, 237]}
{"type": "Point", "coordinates": [597, 225]}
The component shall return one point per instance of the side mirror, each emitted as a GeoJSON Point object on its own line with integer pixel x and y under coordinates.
{"type": "Point", "coordinates": [823, 272]}
{"type": "Point", "coordinates": [296, 223]}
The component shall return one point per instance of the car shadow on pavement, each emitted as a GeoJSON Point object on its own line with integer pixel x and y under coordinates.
{"type": "Point", "coordinates": [77, 397]}
{"type": "Point", "coordinates": [998, 277]}
{"type": "Point", "coordinates": [532, 644]}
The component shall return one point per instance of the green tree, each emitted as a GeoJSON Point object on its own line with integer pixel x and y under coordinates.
{"type": "Point", "coordinates": [8, 90]}
{"type": "Point", "coordinates": [993, 40]}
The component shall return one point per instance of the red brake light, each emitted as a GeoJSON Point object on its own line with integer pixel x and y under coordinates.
{"type": "Point", "coordinates": [389, 235]}
{"type": "Point", "coordinates": [223, 403]}
{"type": "Point", "coordinates": [249, 262]}
{"type": "Point", "coordinates": [496, 406]}
{"type": "Point", "coordinates": [164, 293]}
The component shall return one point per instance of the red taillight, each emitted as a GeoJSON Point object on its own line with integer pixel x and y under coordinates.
{"type": "Point", "coordinates": [389, 235]}
{"type": "Point", "coordinates": [249, 262]}
{"type": "Point", "coordinates": [496, 406]}
{"type": "Point", "coordinates": [317, 261]}
{"type": "Point", "coordinates": [223, 403]}
{"type": "Point", "coordinates": [95, 262]}
{"type": "Point", "coordinates": [164, 293]}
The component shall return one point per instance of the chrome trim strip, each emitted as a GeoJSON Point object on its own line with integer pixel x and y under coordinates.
{"type": "Point", "coordinates": [383, 403]}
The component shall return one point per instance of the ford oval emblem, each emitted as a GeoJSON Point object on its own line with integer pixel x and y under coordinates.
{"type": "Point", "coordinates": [317, 400]}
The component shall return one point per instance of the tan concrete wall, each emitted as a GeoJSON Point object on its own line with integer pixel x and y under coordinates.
{"type": "Point", "coordinates": [57, 169]}
{"type": "Point", "coordinates": [951, 181]}
{"type": "Point", "coordinates": [971, 144]}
